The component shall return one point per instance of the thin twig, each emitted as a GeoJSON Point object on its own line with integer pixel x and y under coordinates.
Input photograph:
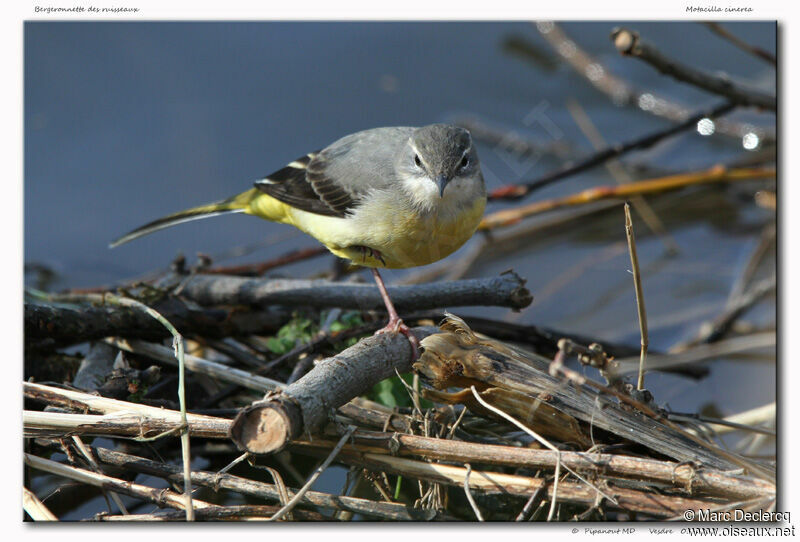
{"type": "Point", "coordinates": [619, 91]}
{"type": "Point", "coordinates": [629, 43]}
{"type": "Point", "coordinates": [716, 174]}
{"type": "Point", "coordinates": [529, 504]}
{"type": "Point", "coordinates": [471, 500]}
{"type": "Point", "coordinates": [726, 347]}
{"type": "Point", "coordinates": [299, 495]}
{"type": "Point", "coordinates": [258, 269]}
{"type": "Point", "coordinates": [515, 143]}
{"type": "Point", "coordinates": [543, 442]}
{"type": "Point", "coordinates": [88, 456]}
{"type": "Point", "coordinates": [716, 329]}
{"type": "Point", "coordinates": [637, 283]}
{"type": "Point", "coordinates": [513, 484]}
{"type": "Point", "coordinates": [162, 497]}
{"type": "Point", "coordinates": [519, 190]}
{"type": "Point", "coordinates": [744, 421]}
{"type": "Point", "coordinates": [765, 241]}
{"type": "Point", "coordinates": [741, 44]}
{"type": "Point", "coordinates": [199, 365]}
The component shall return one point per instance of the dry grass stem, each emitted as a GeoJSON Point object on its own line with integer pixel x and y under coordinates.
{"type": "Point", "coordinates": [637, 283]}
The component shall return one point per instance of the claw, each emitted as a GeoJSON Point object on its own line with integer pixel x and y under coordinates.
{"type": "Point", "coordinates": [372, 253]}
{"type": "Point", "coordinates": [396, 325]}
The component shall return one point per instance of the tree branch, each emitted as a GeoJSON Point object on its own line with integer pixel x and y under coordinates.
{"type": "Point", "coordinates": [507, 290]}
{"type": "Point", "coordinates": [629, 43]}
{"type": "Point", "coordinates": [307, 405]}
{"type": "Point", "coordinates": [63, 325]}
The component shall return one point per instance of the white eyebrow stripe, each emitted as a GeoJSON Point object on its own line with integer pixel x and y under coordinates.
{"type": "Point", "coordinates": [466, 152]}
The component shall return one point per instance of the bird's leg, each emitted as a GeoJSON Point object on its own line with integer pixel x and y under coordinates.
{"type": "Point", "coordinates": [395, 324]}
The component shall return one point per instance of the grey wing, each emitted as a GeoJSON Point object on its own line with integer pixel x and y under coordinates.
{"type": "Point", "coordinates": [333, 181]}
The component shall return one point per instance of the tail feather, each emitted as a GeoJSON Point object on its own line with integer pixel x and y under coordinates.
{"type": "Point", "coordinates": [236, 204]}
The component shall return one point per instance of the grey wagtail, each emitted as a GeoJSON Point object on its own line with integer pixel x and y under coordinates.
{"type": "Point", "coordinates": [391, 197]}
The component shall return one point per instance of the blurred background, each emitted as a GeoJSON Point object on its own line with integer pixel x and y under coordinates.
{"type": "Point", "coordinates": [126, 122]}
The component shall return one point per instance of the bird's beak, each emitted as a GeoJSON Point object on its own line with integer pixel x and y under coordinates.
{"type": "Point", "coordinates": [441, 182]}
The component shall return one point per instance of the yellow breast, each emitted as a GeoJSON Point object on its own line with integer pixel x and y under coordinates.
{"type": "Point", "coordinates": [403, 237]}
{"type": "Point", "coordinates": [410, 240]}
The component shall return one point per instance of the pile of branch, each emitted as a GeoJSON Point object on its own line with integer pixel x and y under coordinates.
{"type": "Point", "coordinates": [428, 447]}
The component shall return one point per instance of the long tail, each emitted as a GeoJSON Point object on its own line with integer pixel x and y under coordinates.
{"type": "Point", "coordinates": [236, 204]}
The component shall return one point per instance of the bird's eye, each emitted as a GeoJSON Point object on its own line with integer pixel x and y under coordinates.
{"type": "Point", "coordinates": [417, 160]}
{"type": "Point", "coordinates": [464, 162]}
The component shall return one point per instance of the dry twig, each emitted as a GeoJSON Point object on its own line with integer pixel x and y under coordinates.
{"type": "Point", "coordinates": [629, 43]}
{"type": "Point", "coordinates": [741, 44]}
{"type": "Point", "coordinates": [718, 174]}
{"type": "Point", "coordinates": [637, 283]}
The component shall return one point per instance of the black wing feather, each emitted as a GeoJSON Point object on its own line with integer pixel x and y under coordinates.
{"type": "Point", "coordinates": [304, 185]}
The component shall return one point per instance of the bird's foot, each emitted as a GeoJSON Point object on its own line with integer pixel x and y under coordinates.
{"type": "Point", "coordinates": [372, 253]}
{"type": "Point", "coordinates": [396, 325]}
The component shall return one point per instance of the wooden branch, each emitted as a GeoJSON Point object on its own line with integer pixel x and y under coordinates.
{"type": "Point", "coordinates": [119, 424]}
{"type": "Point", "coordinates": [542, 340]}
{"type": "Point", "coordinates": [161, 497]}
{"type": "Point", "coordinates": [71, 325]}
{"type": "Point", "coordinates": [36, 508]}
{"type": "Point", "coordinates": [262, 490]}
{"type": "Point", "coordinates": [701, 352]}
{"type": "Point", "coordinates": [507, 290]}
{"type": "Point", "coordinates": [95, 367]}
{"type": "Point", "coordinates": [358, 409]}
{"type": "Point", "coordinates": [87, 402]}
{"type": "Point", "coordinates": [629, 43]}
{"type": "Point", "coordinates": [578, 493]}
{"type": "Point", "coordinates": [621, 92]}
{"type": "Point", "coordinates": [741, 44]}
{"type": "Point", "coordinates": [702, 481]}
{"type": "Point", "coordinates": [199, 365]}
{"type": "Point", "coordinates": [236, 512]}
{"type": "Point", "coordinates": [305, 406]}
{"type": "Point", "coordinates": [457, 357]}
{"type": "Point", "coordinates": [363, 453]}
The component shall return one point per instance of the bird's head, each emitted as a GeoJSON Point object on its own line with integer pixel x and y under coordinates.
{"type": "Point", "coordinates": [438, 165]}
